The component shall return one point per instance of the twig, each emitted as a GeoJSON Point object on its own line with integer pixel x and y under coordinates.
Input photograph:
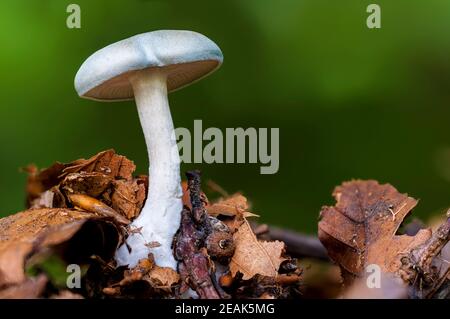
{"type": "Point", "coordinates": [423, 256]}
{"type": "Point", "coordinates": [198, 209]}
{"type": "Point", "coordinates": [422, 259]}
{"type": "Point", "coordinates": [217, 188]}
{"type": "Point", "coordinates": [299, 245]}
{"type": "Point", "coordinates": [193, 260]}
{"type": "Point", "coordinates": [190, 243]}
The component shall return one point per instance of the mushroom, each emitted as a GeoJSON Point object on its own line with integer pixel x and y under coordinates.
{"type": "Point", "coordinates": [146, 67]}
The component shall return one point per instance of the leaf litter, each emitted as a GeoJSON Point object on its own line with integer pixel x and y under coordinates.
{"type": "Point", "coordinates": [81, 210]}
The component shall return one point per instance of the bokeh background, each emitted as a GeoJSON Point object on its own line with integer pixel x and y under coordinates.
{"type": "Point", "coordinates": [350, 102]}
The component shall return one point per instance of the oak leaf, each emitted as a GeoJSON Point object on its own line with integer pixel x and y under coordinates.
{"type": "Point", "coordinates": [253, 257]}
{"type": "Point", "coordinates": [361, 228]}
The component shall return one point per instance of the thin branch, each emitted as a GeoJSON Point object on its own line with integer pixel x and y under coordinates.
{"type": "Point", "coordinates": [299, 245]}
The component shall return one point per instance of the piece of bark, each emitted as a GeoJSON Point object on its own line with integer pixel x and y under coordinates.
{"type": "Point", "coordinates": [195, 267]}
{"type": "Point", "coordinates": [187, 198]}
{"type": "Point", "coordinates": [193, 261]}
{"type": "Point", "coordinates": [198, 209]}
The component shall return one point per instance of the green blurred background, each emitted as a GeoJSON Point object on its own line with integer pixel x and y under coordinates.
{"type": "Point", "coordinates": [350, 102]}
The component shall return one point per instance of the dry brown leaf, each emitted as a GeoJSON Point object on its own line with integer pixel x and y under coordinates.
{"type": "Point", "coordinates": [106, 176]}
{"type": "Point", "coordinates": [106, 163]}
{"type": "Point", "coordinates": [128, 197]}
{"type": "Point", "coordinates": [31, 288]}
{"type": "Point", "coordinates": [253, 257]}
{"type": "Point", "coordinates": [27, 233]}
{"type": "Point", "coordinates": [361, 228]}
{"type": "Point", "coordinates": [146, 270]}
{"type": "Point", "coordinates": [162, 277]}
{"type": "Point", "coordinates": [92, 184]}
{"type": "Point", "coordinates": [232, 206]}
{"type": "Point", "coordinates": [137, 272]}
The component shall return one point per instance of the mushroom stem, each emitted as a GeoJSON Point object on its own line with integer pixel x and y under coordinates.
{"type": "Point", "coordinates": [160, 216]}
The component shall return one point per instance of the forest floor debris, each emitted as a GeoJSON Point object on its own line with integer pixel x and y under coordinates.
{"type": "Point", "coordinates": [80, 212]}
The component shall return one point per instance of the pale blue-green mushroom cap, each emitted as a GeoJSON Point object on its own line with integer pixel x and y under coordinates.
{"type": "Point", "coordinates": [185, 56]}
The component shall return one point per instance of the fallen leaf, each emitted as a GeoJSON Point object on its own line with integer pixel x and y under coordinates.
{"type": "Point", "coordinates": [146, 270]}
{"type": "Point", "coordinates": [106, 176]}
{"type": "Point", "coordinates": [162, 277]}
{"type": "Point", "coordinates": [360, 229]}
{"type": "Point", "coordinates": [92, 184]}
{"type": "Point", "coordinates": [31, 288]}
{"type": "Point", "coordinates": [232, 206]}
{"type": "Point", "coordinates": [137, 272]}
{"type": "Point", "coordinates": [106, 163]}
{"type": "Point", "coordinates": [253, 257]}
{"type": "Point", "coordinates": [128, 197]}
{"type": "Point", "coordinates": [27, 233]}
